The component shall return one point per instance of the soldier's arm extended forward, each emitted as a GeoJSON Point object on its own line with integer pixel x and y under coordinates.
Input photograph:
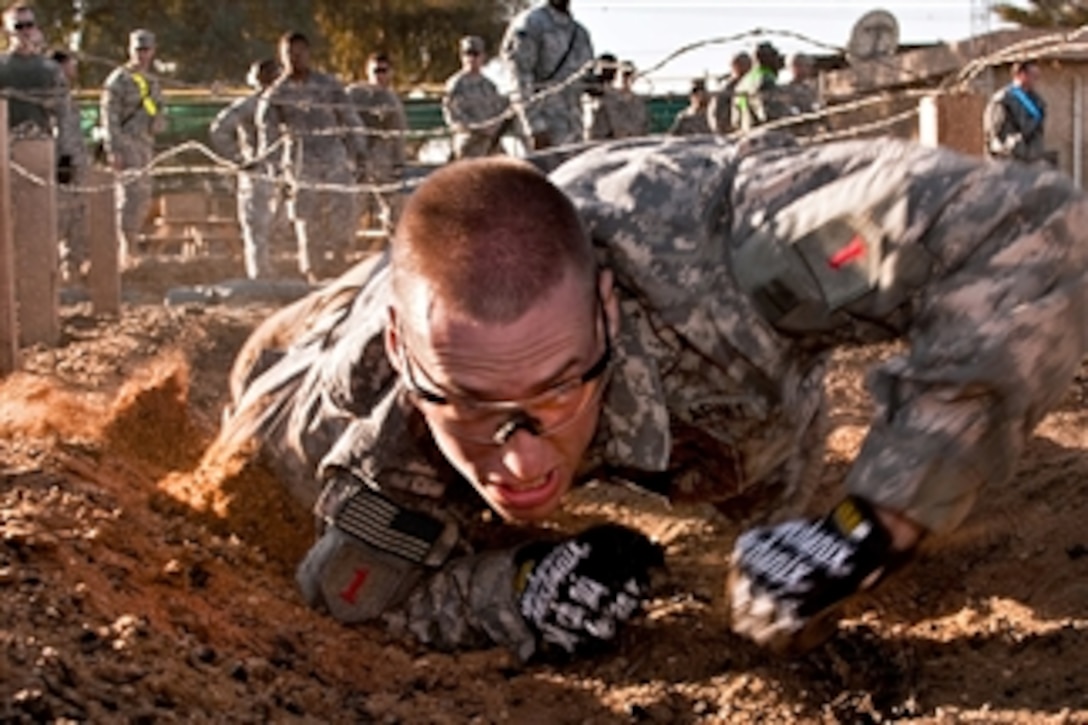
{"type": "Point", "coordinates": [353, 128]}
{"type": "Point", "coordinates": [981, 268]}
{"type": "Point", "coordinates": [224, 129]}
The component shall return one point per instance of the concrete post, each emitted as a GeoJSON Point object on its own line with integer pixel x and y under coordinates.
{"type": "Point", "coordinates": [9, 320]}
{"type": "Point", "coordinates": [34, 222]}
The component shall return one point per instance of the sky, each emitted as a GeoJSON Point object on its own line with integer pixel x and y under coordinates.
{"type": "Point", "coordinates": [647, 31]}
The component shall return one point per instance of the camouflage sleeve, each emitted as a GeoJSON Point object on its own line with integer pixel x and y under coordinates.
{"type": "Point", "coordinates": [453, 107]}
{"type": "Point", "coordinates": [223, 132]}
{"type": "Point", "coordinates": [111, 111]}
{"type": "Point", "coordinates": [69, 133]}
{"type": "Point", "coordinates": [979, 267]}
{"type": "Point", "coordinates": [520, 49]}
{"type": "Point", "coordinates": [269, 124]}
{"type": "Point", "coordinates": [720, 112]}
{"type": "Point", "coordinates": [597, 125]}
{"type": "Point", "coordinates": [994, 344]}
{"type": "Point", "coordinates": [354, 128]}
{"type": "Point", "coordinates": [380, 561]}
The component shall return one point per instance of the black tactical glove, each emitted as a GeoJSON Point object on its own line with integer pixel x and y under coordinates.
{"type": "Point", "coordinates": [576, 593]}
{"type": "Point", "coordinates": [786, 581]}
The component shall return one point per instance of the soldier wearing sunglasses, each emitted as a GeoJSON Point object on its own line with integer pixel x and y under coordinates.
{"type": "Point", "coordinates": [662, 313]}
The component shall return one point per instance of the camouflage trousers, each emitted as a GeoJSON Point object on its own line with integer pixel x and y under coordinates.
{"type": "Point", "coordinates": [258, 206]}
{"type": "Point", "coordinates": [558, 115]}
{"type": "Point", "coordinates": [474, 144]}
{"type": "Point", "coordinates": [72, 230]}
{"type": "Point", "coordinates": [325, 222]}
{"type": "Point", "coordinates": [133, 195]}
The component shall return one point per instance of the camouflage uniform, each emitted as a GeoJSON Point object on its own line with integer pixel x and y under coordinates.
{"type": "Point", "coordinates": [615, 114]}
{"type": "Point", "coordinates": [544, 48]}
{"type": "Point", "coordinates": [73, 162]}
{"type": "Point", "coordinates": [381, 110]}
{"type": "Point", "coordinates": [689, 122]}
{"type": "Point", "coordinates": [758, 99]}
{"type": "Point", "coordinates": [129, 123]}
{"type": "Point", "coordinates": [233, 135]}
{"type": "Point", "coordinates": [739, 268]}
{"type": "Point", "coordinates": [719, 113]}
{"type": "Point", "coordinates": [471, 99]}
{"type": "Point", "coordinates": [1012, 130]}
{"type": "Point", "coordinates": [324, 144]}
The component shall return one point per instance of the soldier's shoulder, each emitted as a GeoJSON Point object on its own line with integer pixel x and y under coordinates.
{"type": "Point", "coordinates": [457, 83]}
{"type": "Point", "coordinates": [118, 76]}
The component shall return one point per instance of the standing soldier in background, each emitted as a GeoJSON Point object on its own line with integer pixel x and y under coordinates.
{"type": "Point", "coordinates": [545, 47]}
{"type": "Point", "coordinates": [1015, 117]}
{"type": "Point", "coordinates": [234, 136]}
{"type": "Point", "coordinates": [636, 119]}
{"type": "Point", "coordinates": [720, 113]}
{"type": "Point", "coordinates": [323, 144]}
{"type": "Point", "coordinates": [132, 113]}
{"type": "Point", "coordinates": [472, 101]}
{"type": "Point", "coordinates": [382, 112]}
{"type": "Point", "coordinates": [613, 112]}
{"type": "Point", "coordinates": [34, 86]}
{"type": "Point", "coordinates": [757, 98]}
{"type": "Point", "coordinates": [693, 119]}
{"type": "Point", "coordinates": [72, 163]}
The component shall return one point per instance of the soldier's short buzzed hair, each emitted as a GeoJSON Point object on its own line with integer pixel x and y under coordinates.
{"type": "Point", "coordinates": [1022, 66]}
{"type": "Point", "coordinates": [294, 36]}
{"type": "Point", "coordinates": [14, 9]}
{"type": "Point", "coordinates": [490, 237]}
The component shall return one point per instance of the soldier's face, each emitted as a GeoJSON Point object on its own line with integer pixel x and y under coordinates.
{"type": "Point", "coordinates": [22, 29]}
{"type": "Point", "coordinates": [1029, 77]}
{"type": "Point", "coordinates": [562, 6]}
{"type": "Point", "coordinates": [295, 56]}
{"type": "Point", "coordinates": [525, 475]}
{"type": "Point", "coordinates": [472, 60]}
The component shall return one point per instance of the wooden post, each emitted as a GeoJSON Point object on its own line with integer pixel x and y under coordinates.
{"type": "Point", "coordinates": [9, 321]}
{"type": "Point", "coordinates": [953, 121]}
{"type": "Point", "coordinates": [34, 220]}
{"type": "Point", "coordinates": [104, 278]}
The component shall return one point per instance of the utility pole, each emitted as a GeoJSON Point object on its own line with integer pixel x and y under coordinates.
{"type": "Point", "coordinates": [982, 12]}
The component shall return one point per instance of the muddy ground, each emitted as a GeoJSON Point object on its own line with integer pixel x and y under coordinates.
{"type": "Point", "coordinates": [145, 579]}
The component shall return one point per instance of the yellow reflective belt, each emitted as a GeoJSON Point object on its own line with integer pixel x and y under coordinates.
{"type": "Point", "coordinates": [150, 106]}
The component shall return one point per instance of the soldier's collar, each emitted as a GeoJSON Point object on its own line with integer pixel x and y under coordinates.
{"type": "Point", "coordinates": [633, 430]}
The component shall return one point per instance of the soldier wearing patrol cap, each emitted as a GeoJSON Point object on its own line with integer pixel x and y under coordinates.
{"type": "Point", "coordinates": [694, 119]}
{"type": "Point", "coordinates": [472, 105]}
{"type": "Point", "coordinates": [132, 113]}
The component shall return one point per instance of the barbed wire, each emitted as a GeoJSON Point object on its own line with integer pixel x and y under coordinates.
{"type": "Point", "coordinates": [263, 166]}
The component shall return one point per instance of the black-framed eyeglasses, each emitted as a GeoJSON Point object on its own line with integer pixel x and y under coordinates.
{"type": "Point", "coordinates": [381, 69]}
{"type": "Point", "coordinates": [24, 24]}
{"type": "Point", "coordinates": [494, 422]}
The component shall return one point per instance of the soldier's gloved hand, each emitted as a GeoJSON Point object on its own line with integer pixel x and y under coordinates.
{"type": "Point", "coordinates": [577, 593]}
{"type": "Point", "coordinates": [787, 581]}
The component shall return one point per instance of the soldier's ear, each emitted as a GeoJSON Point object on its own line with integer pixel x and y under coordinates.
{"type": "Point", "coordinates": [392, 339]}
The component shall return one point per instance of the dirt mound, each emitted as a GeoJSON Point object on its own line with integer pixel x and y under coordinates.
{"type": "Point", "coordinates": [146, 578]}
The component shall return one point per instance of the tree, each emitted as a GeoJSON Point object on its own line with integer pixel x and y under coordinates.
{"type": "Point", "coordinates": [419, 35]}
{"type": "Point", "coordinates": [201, 42]}
{"type": "Point", "coordinates": [1045, 13]}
